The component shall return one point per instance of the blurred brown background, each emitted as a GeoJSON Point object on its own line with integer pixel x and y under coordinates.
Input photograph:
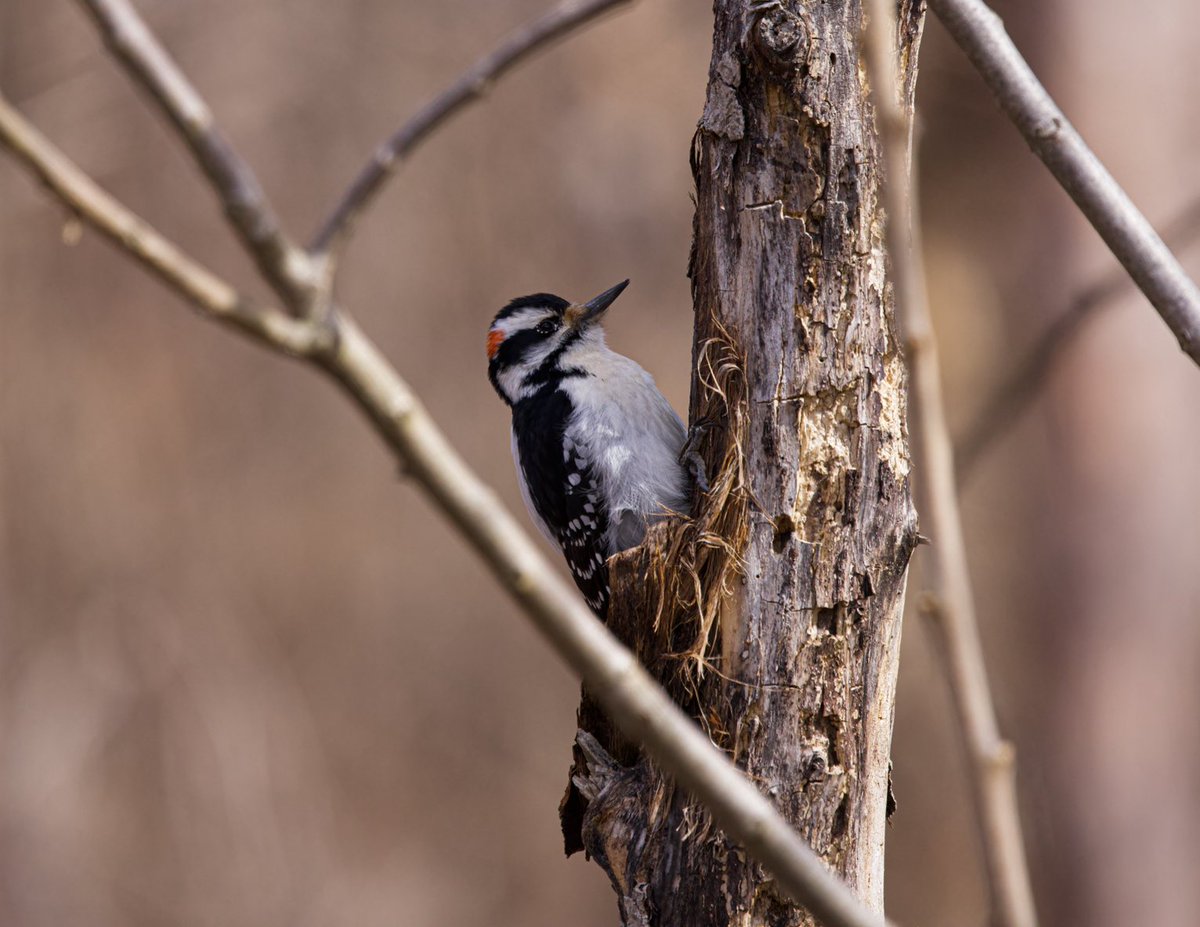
{"type": "Point", "coordinates": [248, 676]}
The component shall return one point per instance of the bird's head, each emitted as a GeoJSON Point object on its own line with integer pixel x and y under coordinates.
{"type": "Point", "coordinates": [532, 339]}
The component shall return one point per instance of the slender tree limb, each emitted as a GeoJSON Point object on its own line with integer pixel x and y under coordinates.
{"type": "Point", "coordinates": [567, 17]}
{"type": "Point", "coordinates": [1025, 383]}
{"type": "Point", "coordinates": [980, 33]}
{"type": "Point", "coordinates": [284, 265]}
{"type": "Point", "coordinates": [948, 601]}
{"type": "Point", "coordinates": [641, 708]}
{"type": "Point", "coordinates": [212, 295]}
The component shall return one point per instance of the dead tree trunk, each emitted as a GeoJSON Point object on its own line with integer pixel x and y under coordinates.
{"type": "Point", "coordinates": [774, 615]}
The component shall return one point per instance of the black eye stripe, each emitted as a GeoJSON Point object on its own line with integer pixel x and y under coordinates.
{"type": "Point", "coordinates": [514, 347]}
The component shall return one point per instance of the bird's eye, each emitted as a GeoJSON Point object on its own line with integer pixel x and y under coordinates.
{"type": "Point", "coordinates": [547, 327]}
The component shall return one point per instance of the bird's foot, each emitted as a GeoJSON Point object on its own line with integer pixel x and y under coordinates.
{"type": "Point", "coordinates": [690, 457]}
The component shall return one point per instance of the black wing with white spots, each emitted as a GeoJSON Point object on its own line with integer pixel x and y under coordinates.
{"type": "Point", "coordinates": [563, 488]}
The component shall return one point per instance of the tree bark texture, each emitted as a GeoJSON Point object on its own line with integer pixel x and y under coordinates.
{"type": "Point", "coordinates": [774, 614]}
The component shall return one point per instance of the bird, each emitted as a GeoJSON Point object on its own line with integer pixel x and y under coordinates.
{"type": "Point", "coordinates": [599, 451]}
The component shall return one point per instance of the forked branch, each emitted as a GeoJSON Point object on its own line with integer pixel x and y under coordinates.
{"type": "Point", "coordinates": [198, 285]}
{"type": "Point", "coordinates": [284, 265]}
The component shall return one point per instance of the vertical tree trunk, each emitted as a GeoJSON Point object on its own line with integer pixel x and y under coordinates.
{"type": "Point", "coordinates": [774, 615]}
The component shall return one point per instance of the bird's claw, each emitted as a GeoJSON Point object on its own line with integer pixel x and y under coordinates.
{"type": "Point", "coordinates": [690, 457]}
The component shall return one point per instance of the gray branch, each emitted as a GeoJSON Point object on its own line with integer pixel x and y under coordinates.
{"type": "Point", "coordinates": [980, 33]}
{"type": "Point", "coordinates": [470, 86]}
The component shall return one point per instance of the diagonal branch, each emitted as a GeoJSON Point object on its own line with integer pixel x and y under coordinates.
{"type": "Point", "coordinates": [641, 708]}
{"type": "Point", "coordinates": [980, 33]}
{"type": "Point", "coordinates": [1027, 380]}
{"type": "Point", "coordinates": [568, 16]}
{"type": "Point", "coordinates": [212, 295]}
{"type": "Point", "coordinates": [283, 264]}
{"type": "Point", "coordinates": [948, 601]}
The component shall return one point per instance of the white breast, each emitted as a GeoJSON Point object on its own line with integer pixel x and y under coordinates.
{"type": "Point", "coordinates": [633, 438]}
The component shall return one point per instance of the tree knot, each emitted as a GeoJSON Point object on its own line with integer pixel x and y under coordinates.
{"type": "Point", "coordinates": [779, 36]}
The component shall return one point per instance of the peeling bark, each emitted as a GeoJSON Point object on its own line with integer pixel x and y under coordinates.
{"type": "Point", "coordinates": [774, 615]}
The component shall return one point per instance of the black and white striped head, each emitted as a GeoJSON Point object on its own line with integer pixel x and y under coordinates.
{"type": "Point", "coordinates": [531, 339]}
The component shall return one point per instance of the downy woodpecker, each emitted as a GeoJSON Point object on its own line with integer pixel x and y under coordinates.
{"type": "Point", "coordinates": [597, 446]}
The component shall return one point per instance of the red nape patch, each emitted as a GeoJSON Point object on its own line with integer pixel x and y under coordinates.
{"type": "Point", "coordinates": [495, 338]}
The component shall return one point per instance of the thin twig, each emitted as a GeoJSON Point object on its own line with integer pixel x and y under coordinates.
{"type": "Point", "coordinates": [640, 707]}
{"type": "Point", "coordinates": [980, 33]}
{"type": "Point", "coordinates": [1027, 380]}
{"type": "Point", "coordinates": [284, 265]}
{"type": "Point", "coordinates": [86, 199]}
{"type": "Point", "coordinates": [470, 86]}
{"type": "Point", "coordinates": [949, 601]}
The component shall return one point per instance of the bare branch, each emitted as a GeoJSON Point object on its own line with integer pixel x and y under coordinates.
{"type": "Point", "coordinates": [568, 16]}
{"type": "Point", "coordinates": [949, 601]}
{"type": "Point", "coordinates": [212, 295]}
{"type": "Point", "coordinates": [641, 708]}
{"type": "Point", "coordinates": [980, 33]}
{"type": "Point", "coordinates": [1025, 383]}
{"type": "Point", "coordinates": [283, 264]}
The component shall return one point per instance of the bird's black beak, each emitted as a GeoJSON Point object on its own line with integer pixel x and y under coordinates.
{"type": "Point", "coordinates": [594, 308]}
